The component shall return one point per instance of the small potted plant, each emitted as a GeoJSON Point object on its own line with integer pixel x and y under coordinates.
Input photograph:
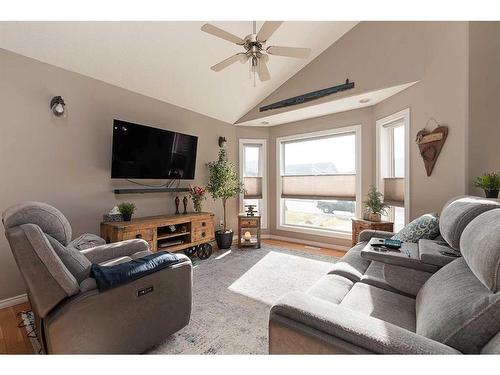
{"type": "Point", "coordinates": [374, 204]}
{"type": "Point", "coordinates": [223, 184]}
{"type": "Point", "coordinates": [490, 183]}
{"type": "Point", "coordinates": [126, 209]}
{"type": "Point", "coordinates": [197, 194]}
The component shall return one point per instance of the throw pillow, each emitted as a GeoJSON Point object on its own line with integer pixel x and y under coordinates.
{"type": "Point", "coordinates": [423, 227]}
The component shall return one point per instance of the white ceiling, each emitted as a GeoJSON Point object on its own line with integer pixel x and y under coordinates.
{"type": "Point", "coordinates": [169, 60]}
{"type": "Point", "coordinates": [329, 107]}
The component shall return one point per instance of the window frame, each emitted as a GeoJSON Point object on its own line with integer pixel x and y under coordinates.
{"type": "Point", "coordinates": [357, 130]}
{"type": "Point", "coordinates": [386, 141]}
{"type": "Point", "coordinates": [262, 167]}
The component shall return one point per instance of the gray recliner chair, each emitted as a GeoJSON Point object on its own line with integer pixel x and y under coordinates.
{"type": "Point", "coordinates": [71, 314]}
{"type": "Point", "coordinates": [366, 307]}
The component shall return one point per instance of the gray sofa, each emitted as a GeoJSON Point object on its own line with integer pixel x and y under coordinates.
{"type": "Point", "coordinates": [72, 315]}
{"type": "Point", "coordinates": [424, 303]}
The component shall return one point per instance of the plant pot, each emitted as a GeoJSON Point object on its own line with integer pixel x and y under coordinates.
{"type": "Point", "coordinates": [491, 193]}
{"type": "Point", "coordinates": [127, 217]}
{"type": "Point", "coordinates": [224, 239]}
{"type": "Point", "coordinates": [374, 217]}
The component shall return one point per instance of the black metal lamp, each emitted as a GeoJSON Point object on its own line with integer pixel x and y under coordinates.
{"type": "Point", "coordinates": [57, 106]}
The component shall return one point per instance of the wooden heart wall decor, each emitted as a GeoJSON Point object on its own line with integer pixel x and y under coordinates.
{"type": "Point", "coordinates": [430, 145]}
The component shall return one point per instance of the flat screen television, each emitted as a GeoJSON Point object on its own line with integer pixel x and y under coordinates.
{"type": "Point", "coordinates": [144, 152]}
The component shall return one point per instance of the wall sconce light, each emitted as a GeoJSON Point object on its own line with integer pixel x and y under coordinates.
{"type": "Point", "coordinates": [222, 142]}
{"type": "Point", "coordinates": [57, 106]}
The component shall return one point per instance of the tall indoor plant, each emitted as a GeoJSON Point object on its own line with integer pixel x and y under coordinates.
{"type": "Point", "coordinates": [223, 184]}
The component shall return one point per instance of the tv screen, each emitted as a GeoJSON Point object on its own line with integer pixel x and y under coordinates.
{"type": "Point", "coordinates": [144, 152]}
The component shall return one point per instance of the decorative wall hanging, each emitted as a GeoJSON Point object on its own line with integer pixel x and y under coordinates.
{"type": "Point", "coordinates": [309, 96]}
{"type": "Point", "coordinates": [430, 144]}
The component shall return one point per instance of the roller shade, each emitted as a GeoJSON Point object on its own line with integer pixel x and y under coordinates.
{"type": "Point", "coordinates": [337, 186]}
{"type": "Point", "coordinates": [394, 191]}
{"type": "Point", "coordinates": [253, 187]}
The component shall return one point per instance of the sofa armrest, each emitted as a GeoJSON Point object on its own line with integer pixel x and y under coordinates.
{"type": "Point", "coordinates": [352, 327]}
{"type": "Point", "coordinates": [113, 250]}
{"type": "Point", "coordinates": [367, 234]}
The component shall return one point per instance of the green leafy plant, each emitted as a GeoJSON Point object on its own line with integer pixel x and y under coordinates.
{"type": "Point", "coordinates": [375, 201]}
{"type": "Point", "coordinates": [126, 208]}
{"type": "Point", "coordinates": [223, 181]}
{"type": "Point", "coordinates": [488, 181]}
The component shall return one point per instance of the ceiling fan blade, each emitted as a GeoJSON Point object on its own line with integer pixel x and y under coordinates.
{"type": "Point", "coordinates": [225, 63]}
{"type": "Point", "coordinates": [268, 29]}
{"type": "Point", "coordinates": [214, 30]}
{"type": "Point", "coordinates": [297, 52]}
{"type": "Point", "coordinates": [263, 71]}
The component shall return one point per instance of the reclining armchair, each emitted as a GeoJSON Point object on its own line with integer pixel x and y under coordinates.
{"type": "Point", "coordinates": [72, 315]}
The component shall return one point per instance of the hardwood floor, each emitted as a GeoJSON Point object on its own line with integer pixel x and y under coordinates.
{"type": "Point", "coordinates": [305, 248]}
{"type": "Point", "coordinates": [13, 339]}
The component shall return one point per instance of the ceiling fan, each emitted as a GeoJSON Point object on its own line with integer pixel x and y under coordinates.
{"type": "Point", "coordinates": [256, 51]}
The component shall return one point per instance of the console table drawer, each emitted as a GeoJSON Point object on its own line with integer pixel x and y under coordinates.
{"type": "Point", "coordinates": [201, 225]}
{"type": "Point", "coordinates": [202, 234]}
{"type": "Point", "coordinates": [143, 234]}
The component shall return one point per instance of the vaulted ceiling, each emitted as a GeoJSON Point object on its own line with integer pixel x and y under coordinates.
{"type": "Point", "coordinates": [170, 60]}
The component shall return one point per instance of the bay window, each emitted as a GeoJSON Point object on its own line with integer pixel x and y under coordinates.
{"type": "Point", "coordinates": [318, 181]}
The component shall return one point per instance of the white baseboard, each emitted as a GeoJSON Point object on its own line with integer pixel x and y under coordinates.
{"type": "Point", "coordinates": [310, 243]}
{"type": "Point", "coordinates": [12, 301]}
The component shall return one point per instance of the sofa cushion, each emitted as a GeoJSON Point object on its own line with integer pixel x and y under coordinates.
{"type": "Point", "coordinates": [458, 212]}
{"type": "Point", "coordinates": [395, 278]}
{"type": "Point", "coordinates": [425, 226]}
{"type": "Point", "coordinates": [382, 304]}
{"type": "Point", "coordinates": [456, 309]}
{"type": "Point", "coordinates": [48, 218]}
{"type": "Point", "coordinates": [480, 245]}
{"type": "Point", "coordinates": [75, 262]}
{"type": "Point", "coordinates": [332, 288]}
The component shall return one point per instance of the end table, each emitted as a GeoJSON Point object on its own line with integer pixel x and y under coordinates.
{"type": "Point", "coordinates": [249, 224]}
{"type": "Point", "coordinates": [359, 225]}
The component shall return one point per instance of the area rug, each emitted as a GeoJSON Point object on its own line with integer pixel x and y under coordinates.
{"type": "Point", "coordinates": [232, 294]}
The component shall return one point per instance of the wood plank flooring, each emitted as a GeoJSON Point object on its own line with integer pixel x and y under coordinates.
{"type": "Point", "coordinates": [13, 339]}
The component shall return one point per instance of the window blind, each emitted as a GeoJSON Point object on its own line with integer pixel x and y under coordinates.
{"type": "Point", "coordinates": [253, 187]}
{"type": "Point", "coordinates": [334, 186]}
{"type": "Point", "coordinates": [394, 191]}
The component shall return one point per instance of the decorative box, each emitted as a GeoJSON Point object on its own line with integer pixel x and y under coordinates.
{"type": "Point", "coordinates": [112, 217]}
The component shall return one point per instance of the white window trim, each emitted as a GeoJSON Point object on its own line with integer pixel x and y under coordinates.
{"type": "Point", "coordinates": [279, 170]}
{"type": "Point", "coordinates": [263, 167]}
{"type": "Point", "coordinates": [404, 116]}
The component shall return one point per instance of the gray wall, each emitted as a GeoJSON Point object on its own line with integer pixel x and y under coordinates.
{"type": "Point", "coordinates": [382, 54]}
{"type": "Point", "coordinates": [66, 162]}
{"type": "Point", "coordinates": [484, 99]}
